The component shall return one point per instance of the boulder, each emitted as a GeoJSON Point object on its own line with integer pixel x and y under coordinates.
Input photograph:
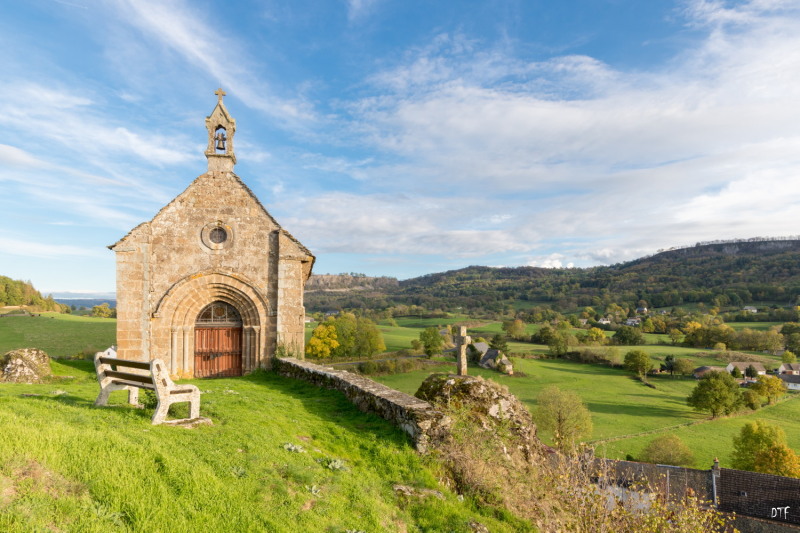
{"type": "Point", "coordinates": [26, 365]}
{"type": "Point", "coordinates": [496, 360]}
{"type": "Point", "coordinates": [490, 404]}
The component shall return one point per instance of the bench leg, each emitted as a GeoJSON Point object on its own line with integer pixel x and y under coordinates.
{"type": "Point", "coordinates": [102, 398]}
{"type": "Point", "coordinates": [194, 406]}
{"type": "Point", "coordinates": [133, 396]}
{"type": "Point", "coordinates": [161, 413]}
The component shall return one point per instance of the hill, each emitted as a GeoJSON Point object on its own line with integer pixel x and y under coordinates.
{"type": "Point", "coordinates": [22, 293]}
{"type": "Point", "coordinates": [282, 455]}
{"type": "Point", "coordinates": [724, 273]}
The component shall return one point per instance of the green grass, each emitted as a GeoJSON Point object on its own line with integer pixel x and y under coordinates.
{"type": "Point", "coordinates": [58, 335]}
{"type": "Point", "coordinates": [68, 465]}
{"type": "Point", "coordinates": [714, 439]}
{"type": "Point", "coordinates": [621, 406]}
{"type": "Point", "coordinates": [762, 326]}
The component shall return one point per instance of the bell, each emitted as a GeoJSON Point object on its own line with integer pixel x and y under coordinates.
{"type": "Point", "coordinates": [220, 143]}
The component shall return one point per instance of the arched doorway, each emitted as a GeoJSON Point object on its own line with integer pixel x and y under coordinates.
{"type": "Point", "coordinates": [218, 341]}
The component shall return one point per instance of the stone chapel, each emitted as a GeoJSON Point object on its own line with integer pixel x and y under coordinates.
{"type": "Point", "coordinates": [212, 285]}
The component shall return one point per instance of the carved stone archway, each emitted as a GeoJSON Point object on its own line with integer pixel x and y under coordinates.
{"type": "Point", "coordinates": [175, 316]}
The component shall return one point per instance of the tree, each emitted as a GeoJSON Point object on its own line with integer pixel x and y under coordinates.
{"type": "Point", "coordinates": [514, 328]}
{"type": "Point", "coordinates": [778, 460]}
{"type": "Point", "coordinates": [675, 336]}
{"type": "Point", "coordinates": [667, 450]}
{"type": "Point", "coordinates": [669, 364]}
{"type": "Point", "coordinates": [564, 414]}
{"type": "Point", "coordinates": [717, 393]}
{"type": "Point", "coordinates": [559, 344]}
{"type": "Point", "coordinates": [683, 366]}
{"type": "Point", "coordinates": [629, 336]}
{"type": "Point", "coordinates": [736, 373]}
{"type": "Point", "coordinates": [322, 342]}
{"type": "Point", "coordinates": [432, 341]}
{"type": "Point", "coordinates": [499, 343]}
{"type": "Point", "coordinates": [102, 311]}
{"type": "Point", "coordinates": [596, 335]}
{"type": "Point", "coordinates": [770, 387]}
{"type": "Point", "coordinates": [751, 371]}
{"type": "Point", "coordinates": [788, 357]}
{"type": "Point", "coordinates": [357, 336]}
{"type": "Point", "coordinates": [752, 399]}
{"type": "Point", "coordinates": [638, 362]}
{"type": "Point", "coordinates": [755, 440]}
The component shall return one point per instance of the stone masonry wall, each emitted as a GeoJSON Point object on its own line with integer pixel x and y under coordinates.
{"type": "Point", "coordinates": [416, 417]}
{"type": "Point", "coordinates": [157, 257]}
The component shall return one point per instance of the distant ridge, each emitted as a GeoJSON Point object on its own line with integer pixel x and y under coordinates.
{"type": "Point", "coordinates": [725, 273]}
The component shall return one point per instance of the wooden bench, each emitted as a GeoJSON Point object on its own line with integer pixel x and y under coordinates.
{"type": "Point", "coordinates": [121, 374]}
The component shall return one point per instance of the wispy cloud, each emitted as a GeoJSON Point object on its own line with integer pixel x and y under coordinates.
{"type": "Point", "coordinates": [180, 27]}
{"type": "Point", "coordinates": [45, 250]}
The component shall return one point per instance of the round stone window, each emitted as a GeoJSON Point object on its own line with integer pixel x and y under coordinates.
{"type": "Point", "coordinates": [216, 236]}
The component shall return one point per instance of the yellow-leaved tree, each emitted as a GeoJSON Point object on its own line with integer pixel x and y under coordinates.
{"type": "Point", "coordinates": [322, 342]}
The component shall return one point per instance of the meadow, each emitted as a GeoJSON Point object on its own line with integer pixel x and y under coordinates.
{"type": "Point", "coordinates": [59, 335]}
{"type": "Point", "coordinates": [622, 407]}
{"type": "Point", "coordinates": [282, 455]}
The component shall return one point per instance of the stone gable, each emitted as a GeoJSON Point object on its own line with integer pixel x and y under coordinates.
{"type": "Point", "coordinates": [215, 242]}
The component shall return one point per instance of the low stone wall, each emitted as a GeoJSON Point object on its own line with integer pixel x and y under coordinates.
{"type": "Point", "coordinates": [416, 417]}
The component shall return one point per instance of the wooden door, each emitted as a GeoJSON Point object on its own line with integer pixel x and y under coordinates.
{"type": "Point", "coordinates": [217, 352]}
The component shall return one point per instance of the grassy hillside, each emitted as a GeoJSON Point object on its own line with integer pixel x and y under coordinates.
{"type": "Point", "coordinates": [57, 334]}
{"type": "Point", "coordinates": [66, 465]}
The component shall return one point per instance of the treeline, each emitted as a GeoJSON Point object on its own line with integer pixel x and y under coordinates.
{"type": "Point", "coordinates": [22, 293]}
{"type": "Point", "coordinates": [728, 274]}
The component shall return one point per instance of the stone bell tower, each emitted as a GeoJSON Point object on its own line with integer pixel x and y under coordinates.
{"type": "Point", "coordinates": [212, 285]}
{"type": "Point", "coordinates": [221, 129]}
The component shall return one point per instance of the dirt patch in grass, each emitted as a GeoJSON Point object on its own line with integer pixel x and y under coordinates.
{"type": "Point", "coordinates": [28, 476]}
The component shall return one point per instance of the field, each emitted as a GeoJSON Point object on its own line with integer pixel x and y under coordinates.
{"type": "Point", "coordinates": [57, 334]}
{"type": "Point", "coordinates": [622, 406]}
{"type": "Point", "coordinates": [69, 466]}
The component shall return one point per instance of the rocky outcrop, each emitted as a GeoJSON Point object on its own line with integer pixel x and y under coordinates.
{"type": "Point", "coordinates": [490, 403]}
{"type": "Point", "coordinates": [26, 365]}
{"type": "Point", "coordinates": [414, 416]}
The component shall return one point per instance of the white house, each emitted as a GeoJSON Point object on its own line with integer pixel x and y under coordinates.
{"type": "Point", "coordinates": [793, 369]}
{"type": "Point", "coordinates": [742, 366]}
{"type": "Point", "coordinates": [792, 382]}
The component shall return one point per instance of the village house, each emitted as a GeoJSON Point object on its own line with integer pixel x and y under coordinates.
{"type": "Point", "coordinates": [212, 284]}
{"type": "Point", "coordinates": [742, 366]}
{"type": "Point", "coordinates": [789, 368]}
{"type": "Point", "coordinates": [750, 309]}
{"type": "Point", "coordinates": [791, 381]}
{"type": "Point", "coordinates": [635, 321]}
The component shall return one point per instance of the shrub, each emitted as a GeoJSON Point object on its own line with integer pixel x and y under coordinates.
{"type": "Point", "coordinates": [752, 399]}
{"type": "Point", "coordinates": [668, 450]}
{"type": "Point", "coordinates": [368, 367]}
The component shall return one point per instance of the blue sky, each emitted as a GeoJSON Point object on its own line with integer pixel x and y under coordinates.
{"type": "Point", "coordinates": [403, 138]}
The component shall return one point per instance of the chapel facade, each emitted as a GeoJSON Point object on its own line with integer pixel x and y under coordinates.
{"type": "Point", "coordinates": [212, 285]}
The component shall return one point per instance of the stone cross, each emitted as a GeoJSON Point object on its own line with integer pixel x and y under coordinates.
{"type": "Point", "coordinates": [462, 341]}
{"type": "Point", "coordinates": [220, 93]}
